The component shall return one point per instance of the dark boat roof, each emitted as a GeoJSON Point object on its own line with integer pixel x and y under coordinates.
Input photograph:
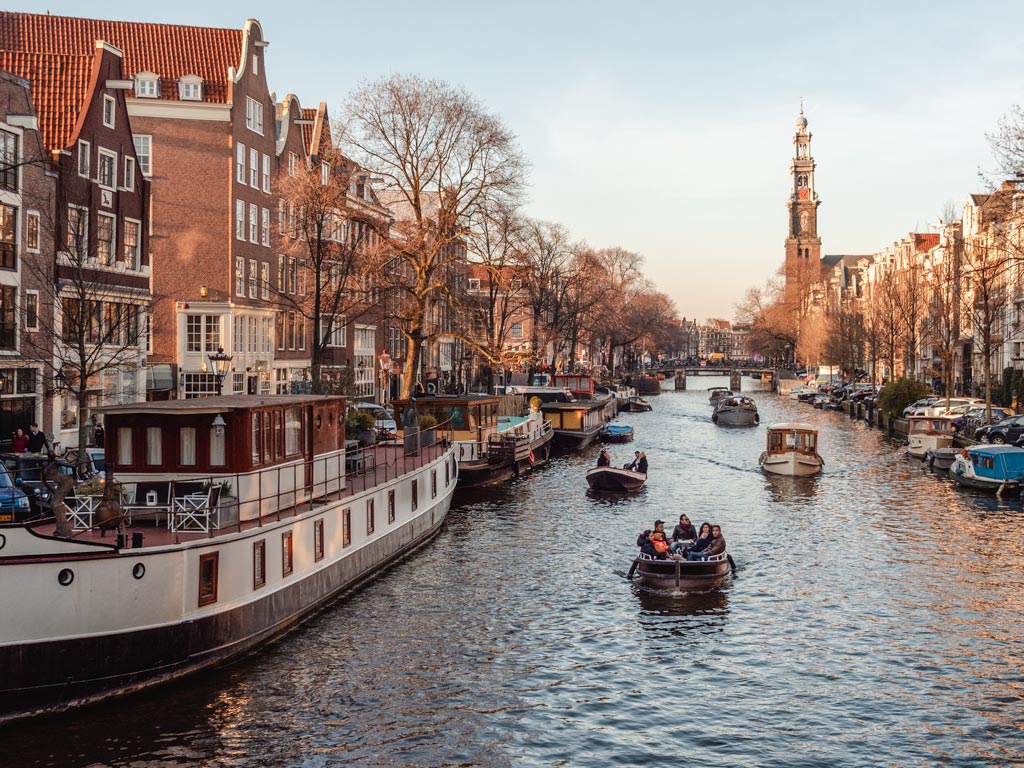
{"type": "Point", "coordinates": [575, 405]}
{"type": "Point", "coordinates": [216, 404]}
{"type": "Point", "coordinates": [470, 397]}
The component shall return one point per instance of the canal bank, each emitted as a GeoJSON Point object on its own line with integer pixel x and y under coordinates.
{"type": "Point", "coordinates": [872, 622]}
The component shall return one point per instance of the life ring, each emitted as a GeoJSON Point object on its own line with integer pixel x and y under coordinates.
{"type": "Point", "coordinates": [531, 456]}
{"type": "Point", "coordinates": [431, 387]}
{"type": "Point", "coordinates": [964, 453]}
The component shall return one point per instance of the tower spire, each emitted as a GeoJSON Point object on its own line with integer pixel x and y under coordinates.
{"type": "Point", "coordinates": [803, 246]}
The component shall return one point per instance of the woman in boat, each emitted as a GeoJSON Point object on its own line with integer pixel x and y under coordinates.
{"type": "Point", "coordinates": [656, 546]}
{"type": "Point", "coordinates": [603, 459]}
{"type": "Point", "coordinates": [703, 538]}
{"type": "Point", "coordinates": [714, 546]}
{"type": "Point", "coordinates": [641, 463]}
{"type": "Point", "coordinates": [631, 465]}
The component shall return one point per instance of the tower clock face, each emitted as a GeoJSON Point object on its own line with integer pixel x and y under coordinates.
{"type": "Point", "coordinates": [801, 194]}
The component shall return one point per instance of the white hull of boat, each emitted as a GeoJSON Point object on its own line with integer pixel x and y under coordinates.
{"type": "Point", "coordinates": [919, 445]}
{"type": "Point", "coordinates": [791, 464]}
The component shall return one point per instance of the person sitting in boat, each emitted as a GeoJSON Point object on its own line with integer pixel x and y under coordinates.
{"type": "Point", "coordinates": [603, 459]}
{"type": "Point", "coordinates": [715, 546]}
{"type": "Point", "coordinates": [702, 540]}
{"type": "Point", "coordinates": [683, 534]}
{"type": "Point", "coordinates": [655, 547]}
{"type": "Point", "coordinates": [644, 536]}
{"type": "Point", "coordinates": [641, 463]}
{"type": "Point", "coordinates": [631, 465]}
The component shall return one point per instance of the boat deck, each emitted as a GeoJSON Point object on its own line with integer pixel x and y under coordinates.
{"type": "Point", "coordinates": [365, 469]}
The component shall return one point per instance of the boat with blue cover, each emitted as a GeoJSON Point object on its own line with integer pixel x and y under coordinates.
{"type": "Point", "coordinates": [998, 468]}
{"type": "Point", "coordinates": [616, 433]}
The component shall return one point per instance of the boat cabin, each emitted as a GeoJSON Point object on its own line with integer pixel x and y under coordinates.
{"type": "Point", "coordinates": [270, 451]}
{"type": "Point", "coordinates": [583, 416]}
{"type": "Point", "coordinates": [582, 386]}
{"type": "Point", "coordinates": [997, 462]}
{"type": "Point", "coordinates": [929, 425]}
{"type": "Point", "coordinates": [471, 417]}
{"type": "Point", "coordinates": [792, 437]}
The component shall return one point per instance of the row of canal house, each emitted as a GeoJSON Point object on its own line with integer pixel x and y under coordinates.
{"type": "Point", "coordinates": [142, 225]}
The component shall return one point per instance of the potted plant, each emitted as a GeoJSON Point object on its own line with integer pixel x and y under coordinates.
{"type": "Point", "coordinates": [427, 434]}
{"type": "Point", "coordinates": [359, 425]}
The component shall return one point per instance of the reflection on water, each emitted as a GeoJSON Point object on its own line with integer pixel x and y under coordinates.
{"type": "Point", "coordinates": [875, 621]}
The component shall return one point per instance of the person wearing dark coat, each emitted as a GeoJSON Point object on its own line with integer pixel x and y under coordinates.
{"type": "Point", "coordinates": [37, 441]}
{"type": "Point", "coordinates": [714, 546]}
{"type": "Point", "coordinates": [641, 464]}
{"type": "Point", "coordinates": [703, 538]}
{"type": "Point", "coordinates": [19, 443]}
{"type": "Point", "coordinates": [604, 460]}
{"type": "Point", "coordinates": [684, 532]}
{"type": "Point", "coordinates": [98, 435]}
{"type": "Point", "coordinates": [651, 549]}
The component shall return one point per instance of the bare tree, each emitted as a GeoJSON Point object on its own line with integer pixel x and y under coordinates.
{"type": "Point", "coordinates": [441, 157]}
{"type": "Point", "coordinates": [944, 279]}
{"type": "Point", "coordinates": [545, 269]}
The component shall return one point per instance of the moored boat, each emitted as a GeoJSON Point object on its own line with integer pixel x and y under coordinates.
{"type": "Point", "coordinates": [683, 575]}
{"type": "Point", "coordinates": [736, 411]}
{"type": "Point", "coordinates": [576, 424]}
{"type": "Point", "coordinates": [616, 433]}
{"type": "Point", "coordinates": [998, 468]}
{"type": "Point", "coordinates": [926, 433]}
{"type": "Point", "coordinates": [241, 515]}
{"type": "Point", "coordinates": [941, 458]}
{"type": "Point", "coordinates": [615, 479]}
{"type": "Point", "coordinates": [637, 404]}
{"type": "Point", "coordinates": [792, 450]}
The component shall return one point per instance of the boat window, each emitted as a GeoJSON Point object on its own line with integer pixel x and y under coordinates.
{"type": "Point", "coordinates": [456, 415]}
{"type": "Point", "coordinates": [259, 563]}
{"type": "Point", "coordinates": [988, 462]}
{"type": "Point", "coordinates": [391, 506]}
{"type": "Point", "coordinates": [154, 446]}
{"type": "Point", "coordinates": [346, 527]}
{"type": "Point", "coordinates": [187, 437]}
{"type": "Point", "coordinates": [292, 431]}
{"type": "Point", "coordinates": [217, 442]}
{"type": "Point", "coordinates": [318, 539]}
{"type": "Point", "coordinates": [287, 563]}
{"type": "Point", "coordinates": [255, 439]}
{"type": "Point", "coordinates": [572, 420]}
{"type": "Point", "coordinates": [208, 578]}
{"type": "Point", "coordinates": [371, 522]}
{"type": "Point", "coordinates": [279, 433]}
{"type": "Point", "coordinates": [974, 459]}
{"type": "Point", "coordinates": [433, 484]}
{"type": "Point", "coordinates": [124, 446]}
{"type": "Point", "coordinates": [790, 440]}
{"type": "Point", "coordinates": [415, 494]}
{"type": "Point", "coordinates": [268, 437]}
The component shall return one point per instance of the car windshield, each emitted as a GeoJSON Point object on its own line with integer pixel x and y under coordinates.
{"type": "Point", "coordinates": [5, 479]}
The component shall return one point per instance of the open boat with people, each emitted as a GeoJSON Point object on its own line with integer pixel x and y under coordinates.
{"type": "Point", "coordinates": [718, 393]}
{"type": "Point", "coordinates": [683, 575]}
{"type": "Point", "coordinates": [792, 449]}
{"type": "Point", "coordinates": [637, 404]}
{"type": "Point", "coordinates": [998, 468]}
{"type": "Point", "coordinates": [230, 519]}
{"type": "Point", "coordinates": [615, 480]}
{"type": "Point", "coordinates": [928, 433]}
{"type": "Point", "coordinates": [616, 433]}
{"type": "Point", "coordinates": [735, 411]}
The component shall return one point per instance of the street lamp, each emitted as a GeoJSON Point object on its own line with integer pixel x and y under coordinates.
{"type": "Point", "coordinates": [221, 364]}
{"type": "Point", "coordinates": [385, 369]}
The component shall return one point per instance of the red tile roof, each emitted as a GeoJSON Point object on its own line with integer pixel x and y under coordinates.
{"type": "Point", "coordinates": [169, 50]}
{"type": "Point", "coordinates": [59, 86]}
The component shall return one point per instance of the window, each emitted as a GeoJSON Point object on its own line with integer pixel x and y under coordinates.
{"type": "Point", "coordinates": [292, 431]}
{"type": "Point", "coordinates": [146, 85]}
{"type": "Point", "coordinates": [293, 163]}
{"type": "Point", "coordinates": [253, 290]}
{"type": "Point", "coordinates": [208, 578]}
{"type": "Point", "coordinates": [280, 217]}
{"type": "Point", "coordinates": [239, 276]}
{"type": "Point", "coordinates": [202, 333]}
{"type": "Point", "coordinates": [109, 106]}
{"type": "Point", "coordinates": [415, 494]}
{"type": "Point", "coordinates": [259, 563]}
{"type": "Point", "coordinates": [187, 439]}
{"type": "Point", "coordinates": [254, 223]}
{"type": "Point", "coordinates": [105, 239]}
{"type": "Point", "coordinates": [84, 156]}
{"type": "Point", "coordinates": [255, 64]}
{"type": "Point", "coordinates": [265, 227]}
{"type": "Point", "coordinates": [370, 522]}
{"type": "Point", "coordinates": [190, 88]}
{"type": "Point", "coordinates": [254, 115]}
{"type": "Point", "coordinates": [287, 563]}
{"type": "Point", "coordinates": [257, 456]}
{"type": "Point", "coordinates": [240, 163]}
{"type": "Point", "coordinates": [240, 219]}
{"type": "Point", "coordinates": [280, 274]}
{"type": "Point", "coordinates": [8, 237]}
{"type": "Point", "coordinates": [217, 443]}
{"type": "Point", "coordinates": [346, 527]}
{"type": "Point", "coordinates": [279, 330]}
{"type": "Point", "coordinates": [333, 334]}
{"type": "Point", "coordinates": [300, 323]}
{"type": "Point", "coordinates": [144, 152]}
{"type": "Point", "coordinates": [9, 161]}
{"type": "Point", "coordinates": [391, 506]}
{"type": "Point", "coordinates": [129, 174]}
{"type": "Point", "coordinates": [433, 484]}
{"type": "Point", "coordinates": [516, 331]}
{"type": "Point", "coordinates": [154, 446]}
{"type": "Point", "coordinates": [318, 540]}
{"type": "Point", "coordinates": [131, 244]}
{"type": "Point", "coordinates": [254, 168]}
{"type": "Point", "coordinates": [266, 174]}
{"type": "Point", "coordinates": [8, 321]}
{"type": "Point", "coordinates": [31, 310]}
{"type": "Point", "coordinates": [264, 281]}
{"type": "Point", "coordinates": [124, 446]}
{"type": "Point", "coordinates": [325, 174]}
{"type": "Point", "coordinates": [474, 283]}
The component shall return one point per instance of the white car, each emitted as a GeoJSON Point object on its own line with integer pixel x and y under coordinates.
{"type": "Point", "coordinates": [938, 408]}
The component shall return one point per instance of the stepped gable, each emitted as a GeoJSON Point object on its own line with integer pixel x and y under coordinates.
{"type": "Point", "coordinates": [169, 50]}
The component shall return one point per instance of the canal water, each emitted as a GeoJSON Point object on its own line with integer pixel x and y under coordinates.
{"type": "Point", "coordinates": [875, 620]}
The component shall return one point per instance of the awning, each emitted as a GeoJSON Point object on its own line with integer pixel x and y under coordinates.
{"type": "Point", "coordinates": [159, 377]}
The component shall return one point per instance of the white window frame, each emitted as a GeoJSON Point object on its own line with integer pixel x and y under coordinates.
{"type": "Point", "coordinates": [190, 88]}
{"type": "Point", "coordinates": [102, 153]}
{"type": "Point", "coordinates": [280, 217]}
{"type": "Point", "coordinates": [239, 219]}
{"type": "Point", "coordinates": [265, 279]}
{"type": "Point", "coordinates": [147, 85]}
{"type": "Point", "coordinates": [239, 275]}
{"type": "Point", "coordinates": [473, 284]}
{"type": "Point", "coordinates": [254, 168]}
{"type": "Point", "coordinates": [253, 279]}
{"type": "Point", "coordinates": [265, 227]}
{"type": "Point", "coordinates": [266, 174]}
{"type": "Point", "coordinates": [240, 163]}
{"type": "Point", "coordinates": [36, 326]}
{"type": "Point", "coordinates": [254, 115]}
{"type": "Point", "coordinates": [293, 163]}
{"type": "Point", "coordinates": [145, 165]}
{"type": "Point", "coordinates": [31, 216]}
{"type": "Point", "coordinates": [136, 263]}
{"type": "Point", "coordinates": [109, 111]}
{"type": "Point", "coordinates": [112, 254]}
{"type": "Point", "coordinates": [84, 151]}
{"type": "Point", "coordinates": [254, 223]}
{"type": "Point", "coordinates": [81, 245]}
{"type": "Point", "coordinates": [325, 174]}
{"type": "Point", "coordinates": [129, 174]}
{"type": "Point", "coordinates": [339, 332]}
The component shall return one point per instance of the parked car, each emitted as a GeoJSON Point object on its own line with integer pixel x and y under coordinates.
{"type": "Point", "coordinates": [95, 462]}
{"type": "Point", "coordinates": [14, 504]}
{"type": "Point", "coordinates": [383, 420]}
{"type": "Point", "coordinates": [938, 408]}
{"type": "Point", "coordinates": [969, 418]}
{"type": "Point", "coordinates": [912, 408]}
{"type": "Point", "coordinates": [1006, 431]}
{"type": "Point", "coordinates": [27, 471]}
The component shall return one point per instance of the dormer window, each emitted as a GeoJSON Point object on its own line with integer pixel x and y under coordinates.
{"type": "Point", "coordinates": [147, 85]}
{"type": "Point", "coordinates": [190, 88]}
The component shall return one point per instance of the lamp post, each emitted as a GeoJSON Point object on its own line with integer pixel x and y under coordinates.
{"type": "Point", "coordinates": [221, 364]}
{"type": "Point", "coordinates": [385, 369]}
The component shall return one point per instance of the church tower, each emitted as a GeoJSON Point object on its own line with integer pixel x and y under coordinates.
{"type": "Point", "coordinates": [803, 246]}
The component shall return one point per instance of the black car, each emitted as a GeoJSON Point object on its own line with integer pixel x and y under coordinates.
{"type": "Point", "coordinates": [1006, 431]}
{"type": "Point", "coordinates": [27, 471]}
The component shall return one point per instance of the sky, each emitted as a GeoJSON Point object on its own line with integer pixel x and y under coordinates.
{"type": "Point", "coordinates": [666, 127]}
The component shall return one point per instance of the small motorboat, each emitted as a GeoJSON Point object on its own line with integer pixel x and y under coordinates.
{"type": "Point", "coordinates": [615, 480]}
{"type": "Point", "coordinates": [637, 404]}
{"type": "Point", "coordinates": [717, 393]}
{"type": "Point", "coordinates": [736, 411]}
{"type": "Point", "coordinates": [925, 433]}
{"type": "Point", "coordinates": [941, 458]}
{"type": "Point", "coordinates": [998, 468]}
{"type": "Point", "coordinates": [792, 450]}
{"type": "Point", "coordinates": [683, 575]}
{"type": "Point", "coordinates": [615, 433]}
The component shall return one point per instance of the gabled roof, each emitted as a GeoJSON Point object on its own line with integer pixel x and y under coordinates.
{"type": "Point", "coordinates": [978, 199]}
{"type": "Point", "coordinates": [924, 241]}
{"type": "Point", "coordinates": [308, 129]}
{"type": "Point", "coordinates": [169, 50]}
{"type": "Point", "coordinates": [59, 84]}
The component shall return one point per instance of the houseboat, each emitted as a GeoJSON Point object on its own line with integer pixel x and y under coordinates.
{"type": "Point", "coordinates": [576, 424]}
{"type": "Point", "coordinates": [239, 516]}
{"type": "Point", "coordinates": [792, 450]}
{"type": "Point", "coordinates": [928, 433]}
{"type": "Point", "coordinates": [584, 387]}
{"type": "Point", "coordinates": [489, 448]}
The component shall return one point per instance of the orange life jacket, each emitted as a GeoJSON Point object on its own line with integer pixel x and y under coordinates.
{"type": "Point", "coordinates": [660, 545]}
